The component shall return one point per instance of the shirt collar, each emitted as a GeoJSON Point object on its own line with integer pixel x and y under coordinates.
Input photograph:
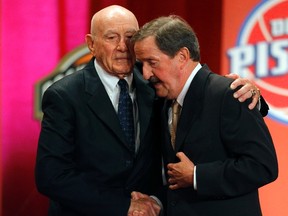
{"type": "Point", "coordinates": [109, 81]}
{"type": "Point", "coordinates": [181, 96]}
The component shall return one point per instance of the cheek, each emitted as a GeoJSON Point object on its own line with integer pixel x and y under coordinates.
{"type": "Point", "coordinates": [168, 82]}
{"type": "Point", "coordinates": [104, 50]}
{"type": "Point", "coordinates": [161, 91]}
{"type": "Point", "coordinates": [104, 54]}
{"type": "Point", "coordinates": [164, 75]}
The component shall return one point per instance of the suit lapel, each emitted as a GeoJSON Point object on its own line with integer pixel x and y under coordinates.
{"type": "Point", "coordinates": [192, 106]}
{"type": "Point", "coordinates": [99, 101]}
{"type": "Point", "coordinates": [145, 100]}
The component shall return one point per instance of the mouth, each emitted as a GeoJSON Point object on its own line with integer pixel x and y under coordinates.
{"type": "Point", "coordinates": [122, 59]}
{"type": "Point", "coordinates": [126, 56]}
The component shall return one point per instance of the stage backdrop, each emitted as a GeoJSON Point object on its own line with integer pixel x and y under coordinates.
{"type": "Point", "coordinates": [255, 45]}
{"type": "Point", "coordinates": [37, 37]}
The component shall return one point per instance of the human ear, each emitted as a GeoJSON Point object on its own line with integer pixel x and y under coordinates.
{"type": "Point", "coordinates": [183, 56]}
{"type": "Point", "coordinates": [90, 43]}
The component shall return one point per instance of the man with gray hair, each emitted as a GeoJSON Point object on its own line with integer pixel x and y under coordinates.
{"type": "Point", "coordinates": [217, 152]}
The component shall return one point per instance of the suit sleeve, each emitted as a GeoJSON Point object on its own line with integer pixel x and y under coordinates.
{"type": "Point", "coordinates": [250, 160]}
{"type": "Point", "coordinates": [57, 174]}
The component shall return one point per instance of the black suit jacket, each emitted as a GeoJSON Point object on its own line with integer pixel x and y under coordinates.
{"type": "Point", "coordinates": [83, 162]}
{"type": "Point", "coordinates": [230, 145]}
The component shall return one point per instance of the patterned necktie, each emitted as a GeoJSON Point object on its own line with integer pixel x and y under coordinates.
{"type": "Point", "coordinates": [176, 109]}
{"type": "Point", "coordinates": [125, 114]}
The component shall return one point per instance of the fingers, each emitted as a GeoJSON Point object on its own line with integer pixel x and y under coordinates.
{"type": "Point", "coordinates": [143, 206]}
{"type": "Point", "coordinates": [174, 186]}
{"type": "Point", "coordinates": [253, 103]}
{"type": "Point", "coordinates": [248, 90]}
{"type": "Point", "coordinates": [171, 180]}
{"type": "Point", "coordinates": [181, 173]}
{"type": "Point", "coordinates": [243, 93]}
{"type": "Point", "coordinates": [141, 213]}
{"type": "Point", "coordinates": [232, 76]}
{"type": "Point", "coordinates": [247, 84]}
{"type": "Point", "coordinates": [137, 195]}
{"type": "Point", "coordinates": [137, 213]}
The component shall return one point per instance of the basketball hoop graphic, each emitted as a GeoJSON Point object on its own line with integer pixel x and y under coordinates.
{"type": "Point", "coordinates": [261, 54]}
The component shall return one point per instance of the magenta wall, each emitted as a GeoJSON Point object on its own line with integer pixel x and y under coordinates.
{"type": "Point", "coordinates": [34, 36]}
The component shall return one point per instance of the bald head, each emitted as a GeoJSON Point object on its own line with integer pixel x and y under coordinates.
{"type": "Point", "coordinates": [113, 14]}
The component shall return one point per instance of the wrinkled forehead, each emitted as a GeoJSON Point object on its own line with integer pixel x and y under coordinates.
{"type": "Point", "coordinates": [115, 19]}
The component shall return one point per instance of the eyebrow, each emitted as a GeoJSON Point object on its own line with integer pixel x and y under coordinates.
{"type": "Point", "coordinates": [111, 31]}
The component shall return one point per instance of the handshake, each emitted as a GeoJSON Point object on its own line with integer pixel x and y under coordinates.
{"type": "Point", "coordinates": [143, 205]}
{"type": "Point", "coordinates": [180, 176]}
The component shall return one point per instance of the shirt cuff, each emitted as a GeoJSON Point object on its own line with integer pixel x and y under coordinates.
{"type": "Point", "coordinates": [158, 201]}
{"type": "Point", "coordinates": [259, 103]}
{"type": "Point", "coordinates": [194, 179]}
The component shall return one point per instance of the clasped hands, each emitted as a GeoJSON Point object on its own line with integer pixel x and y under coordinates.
{"type": "Point", "coordinates": [180, 176]}
{"type": "Point", "coordinates": [143, 205]}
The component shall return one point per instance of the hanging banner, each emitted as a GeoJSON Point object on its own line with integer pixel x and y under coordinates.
{"type": "Point", "coordinates": [255, 45]}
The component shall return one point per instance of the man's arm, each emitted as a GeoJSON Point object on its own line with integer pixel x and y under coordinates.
{"type": "Point", "coordinates": [252, 160]}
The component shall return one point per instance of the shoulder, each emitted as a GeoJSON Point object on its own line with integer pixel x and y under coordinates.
{"type": "Point", "coordinates": [212, 81]}
{"type": "Point", "coordinates": [75, 79]}
{"type": "Point", "coordinates": [68, 82]}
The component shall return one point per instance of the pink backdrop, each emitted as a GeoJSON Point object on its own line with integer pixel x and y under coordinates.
{"type": "Point", "coordinates": [35, 35]}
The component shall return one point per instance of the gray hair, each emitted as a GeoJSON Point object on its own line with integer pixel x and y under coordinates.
{"type": "Point", "coordinates": [171, 34]}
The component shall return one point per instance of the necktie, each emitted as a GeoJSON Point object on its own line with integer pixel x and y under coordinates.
{"type": "Point", "coordinates": [176, 109]}
{"type": "Point", "coordinates": [125, 114]}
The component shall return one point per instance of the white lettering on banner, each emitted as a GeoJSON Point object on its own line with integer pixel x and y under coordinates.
{"type": "Point", "coordinates": [279, 27]}
{"type": "Point", "coordinates": [258, 55]}
{"type": "Point", "coordinates": [261, 54]}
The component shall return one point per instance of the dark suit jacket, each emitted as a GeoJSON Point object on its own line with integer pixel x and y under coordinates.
{"type": "Point", "coordinates": [83, 162]}
{"type": "Point", "coordinates": [230, 145]}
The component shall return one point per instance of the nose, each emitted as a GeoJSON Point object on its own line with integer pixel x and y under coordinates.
{"type": "Point", "coordinates": [122, 45]}
{"type": "Point", "coordinates": [147, 73]}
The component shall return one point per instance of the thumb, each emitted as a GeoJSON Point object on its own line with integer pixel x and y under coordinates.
{"type": "Point", "coordinates": [134, 195]}
{"type": "Point", "coordinates": [137, 195]}
{"type": "Point", "coordinates": [181, 156]}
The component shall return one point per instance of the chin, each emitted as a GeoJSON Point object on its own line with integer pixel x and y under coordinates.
{"type": "Point", "coordinates": [123, 70]}
{"type": "Point", "coordinates": [161, 93]}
